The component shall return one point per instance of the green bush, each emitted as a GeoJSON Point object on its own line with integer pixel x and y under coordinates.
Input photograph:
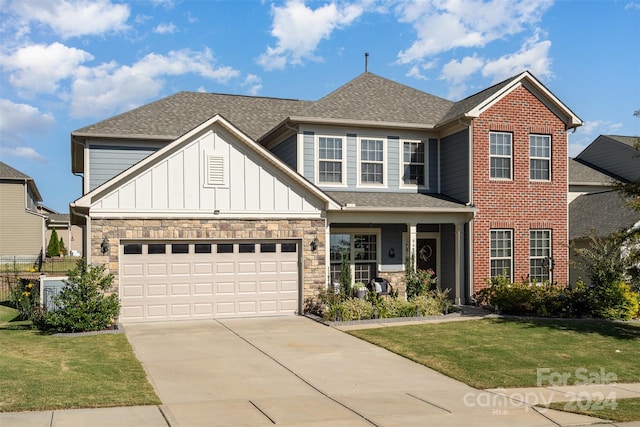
{"type": "Point", "coordinates": [433, 304]}
{"type": "Point", "coordinates": [53, 249]}
{"type": "Point", "coordinates": [355, 309]}
{"type": "Point", "coordinates": [83, 305]}
{"type": "Point", "coordinates": [613, 301]}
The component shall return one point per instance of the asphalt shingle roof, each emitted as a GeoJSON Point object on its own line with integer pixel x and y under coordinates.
{"type": "Point", "coordinates": [11, 174]}
{"type": "Point", "coordinates": [603, 212]}
{"type": "Point", "coordinates": [7, 172]}
{"type": "Point", "coordinates": [582, 173]}
{"type": "Point", "coordinates": [393, 200]}
{"type": "Point", "coordinates": [175, 115]}
{"type": "Point", "coordinates": [469, 103]}
{"type": "Point", "coordinates": [372, 98]}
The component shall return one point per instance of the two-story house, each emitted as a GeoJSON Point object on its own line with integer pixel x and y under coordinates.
{"type": "Point", "coordinates": [22, 225]}
{"type": "Point", "coordinates": [595, 207]}
{"type": "Point", "coordinates": [208, 205]}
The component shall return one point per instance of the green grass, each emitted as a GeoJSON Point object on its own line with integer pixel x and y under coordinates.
{"type": "Point", "coordinates": [42, 371]}
{"type": "Point", "coordinates": [492, 353]}
{"type": "Point", "coordinates": [625, 410]}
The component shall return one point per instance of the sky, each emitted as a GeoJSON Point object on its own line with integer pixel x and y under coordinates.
{"type": "Point", "coordinates": [66, 64]}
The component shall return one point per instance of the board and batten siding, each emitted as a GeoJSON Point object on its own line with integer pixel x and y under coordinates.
{"type": "Point", "coordinates": [177, 182]}
{"type": "Point", "coordinates": [454, 166]}
{"type": "Point", "coordinates": [107, 161]}
{"type": "Point", "coordinates": [309, 156]}
{"type": "Point", "coordinates": [21, 231]}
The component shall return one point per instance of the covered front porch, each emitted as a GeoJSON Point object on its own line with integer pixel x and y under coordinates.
{"type": "Point", "coordinates": [378, 234]}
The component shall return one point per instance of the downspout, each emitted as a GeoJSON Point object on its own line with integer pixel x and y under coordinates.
{"type": "Point", "coordinates": [87, 232]}
{"type": "Point", "coordinates": [470, 258]}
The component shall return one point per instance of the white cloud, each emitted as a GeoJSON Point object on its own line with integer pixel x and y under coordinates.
{"type": "Point", "coordinates": [18, 119]}
{"type": "Point", "coordinates": [532, 56]}
{"type": "Point", "coordinates": [632, 5]}
{"type": "Point", "coordinates": [254, 84]}
{"type": "Point", "coordinates": [449, 24]}
{"type": "Point", "coordinates": [18, 122]}
{"type": "Point", "coordinates": [40, 68]}
{"type": "Point", "coordinates": [27, 153]}
{"type": "Point", "coordinates": [456, 72]}
{"type": "Point", "coordinates": [299, 29]}
{"type": "Point", "coordinates": [108, 88]}
{"type": "Point", "coordinates": [165, 29]}
{"type": "Point", "coordinates": [73, 18]}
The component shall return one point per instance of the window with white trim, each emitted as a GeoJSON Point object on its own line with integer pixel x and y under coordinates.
{"type": "Point", "coordinates": [414, 163]}
{"type": "Point", "coordinates": [500, 155]}
{"type": "Point", "coordinates": [540, 157]}
{"type": "Point", "coordinates": [501, 256]}
{"type": "Point", "coordinates": [371, 161]}
{"type": "Point", "coordinates": [360, 250]}
{"type": "Point", "coordinates": [539, 255]}
{"type": "Point", "coordinates": [330, 160]}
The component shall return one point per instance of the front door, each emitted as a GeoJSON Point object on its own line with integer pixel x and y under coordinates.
{"type": "Point", "coordinates": [427, 254]}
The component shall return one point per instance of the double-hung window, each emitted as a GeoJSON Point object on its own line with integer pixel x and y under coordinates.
{"type": "Point", "coordinates": [501, 253]}
{"type": "Point", "coordinates": [371, 161]}
{"type": "Point", "coordinates": [330, 160]}
{"type": "Point", "coordinates": [500, 155]}
{"type": "Point", "coordinates": [539, 255]}
{"type": "Point", "coordinates": [540, 157]}
{"type": "Point", "coordinates": [413, 158]}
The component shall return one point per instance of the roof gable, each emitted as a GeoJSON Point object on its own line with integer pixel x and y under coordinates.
{"type": "Point", "coordinates": [174, 180]}
{"type": "Point", "coordinates": [7, 173]}
{"type": "Point", "coordinates": [602, 213]}
{"type": "Point", "coordinates": [613, 155]}
{"type": "Point", "coordinates": [474, 105]}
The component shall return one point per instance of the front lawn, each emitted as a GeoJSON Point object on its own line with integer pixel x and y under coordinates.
{"type": "Point", "coordinates": [625, 409]}
{"type": "Point", "coordinates": [493, 353]}
{"type": "Point", "coordinates": [42, 371]}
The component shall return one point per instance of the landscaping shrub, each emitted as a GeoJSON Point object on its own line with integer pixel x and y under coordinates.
{"type": "Point", "coordinates": [432, 304]}
{"type": "Point", "coordinates": [612, 301]}
{"type": "Point", "coordinates": [355, 309]}
{"type": "Point", "coordinates": [83, 305]}
{"type": "Point", "coordinates": [418, 282]}
{"type": "Point", "coordinates": [24, 297]}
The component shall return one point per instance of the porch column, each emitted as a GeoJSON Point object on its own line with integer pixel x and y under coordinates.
{"type": "Point", "coordinates": [413, 236]}
{"type": "Point", "coordinates": [459, 250]}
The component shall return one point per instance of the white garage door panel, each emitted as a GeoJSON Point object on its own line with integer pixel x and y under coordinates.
{"type": "Point", "coordinates": [166, 286]}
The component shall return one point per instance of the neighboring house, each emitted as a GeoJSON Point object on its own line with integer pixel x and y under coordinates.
{"type": "Point", "coordinates": [209, 205]}
{"type": "Point", "coordinates": [22, 226]}
{"type": "Point", "coordinates": [595, 208]}
{"type": "Point", "coordinates": [70, 235]}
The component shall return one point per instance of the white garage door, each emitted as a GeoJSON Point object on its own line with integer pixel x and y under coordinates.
{"type": "Point", "coordinates": [169, 281]}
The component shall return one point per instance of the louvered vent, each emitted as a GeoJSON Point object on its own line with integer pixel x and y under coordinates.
{"type": "Point", "coordinates": [215, 170]}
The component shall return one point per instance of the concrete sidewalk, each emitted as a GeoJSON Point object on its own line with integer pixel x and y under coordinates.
{"type": "Point", "coordinates": [292, 371]}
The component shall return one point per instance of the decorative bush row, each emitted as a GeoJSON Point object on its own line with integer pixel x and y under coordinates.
{"type": "Point", "coordinates": [333, 307]}
{"type": "Point", "coordinates": [614, 300]}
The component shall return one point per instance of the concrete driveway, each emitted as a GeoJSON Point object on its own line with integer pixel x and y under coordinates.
{"type": "Point", "coordinates": [292, 371]}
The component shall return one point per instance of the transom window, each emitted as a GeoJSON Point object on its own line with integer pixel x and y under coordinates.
{"type": "Point", "coordinates": [371, 161]}
{"type": "Point", "coordinates": [540, 157]}
{"type": "Point", "coordinates": [500, 155]}
{"type": "Point", "coordinates": [413, 163]}
{"type": "Point", "coordinates": [360, 250]}
{"type": "Point", "coordinates": [501, 255]}
{"type": "Point", "coordinates": [330, 159]}
{"type": "Point", "coordinates": [539, 255]}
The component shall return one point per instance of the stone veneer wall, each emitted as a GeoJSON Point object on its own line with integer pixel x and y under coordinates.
{"type": "Point", "coordinates": [305, 230]}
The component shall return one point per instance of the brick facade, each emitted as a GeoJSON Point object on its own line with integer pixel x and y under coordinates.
{"type": "Point", "coordinates": [519, 204]}
{"type": "Point", "coordinates": [304, 230]}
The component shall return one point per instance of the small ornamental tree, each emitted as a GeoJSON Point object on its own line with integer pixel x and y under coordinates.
{"type": "Point", "coordinates": [61, 246]}
{"type": "Point", "coordinates": [82, 304]}
{"type": "Point", "coordinates": [54, 244]}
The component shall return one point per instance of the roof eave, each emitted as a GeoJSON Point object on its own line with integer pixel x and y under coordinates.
{"type": "Point", "coordinates": [365, 123]}
{"type": "Point", "coordinates": [466, 209]}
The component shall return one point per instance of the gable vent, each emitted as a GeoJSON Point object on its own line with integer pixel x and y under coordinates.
{"type": "Point", "coordinates": [215, 170]}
